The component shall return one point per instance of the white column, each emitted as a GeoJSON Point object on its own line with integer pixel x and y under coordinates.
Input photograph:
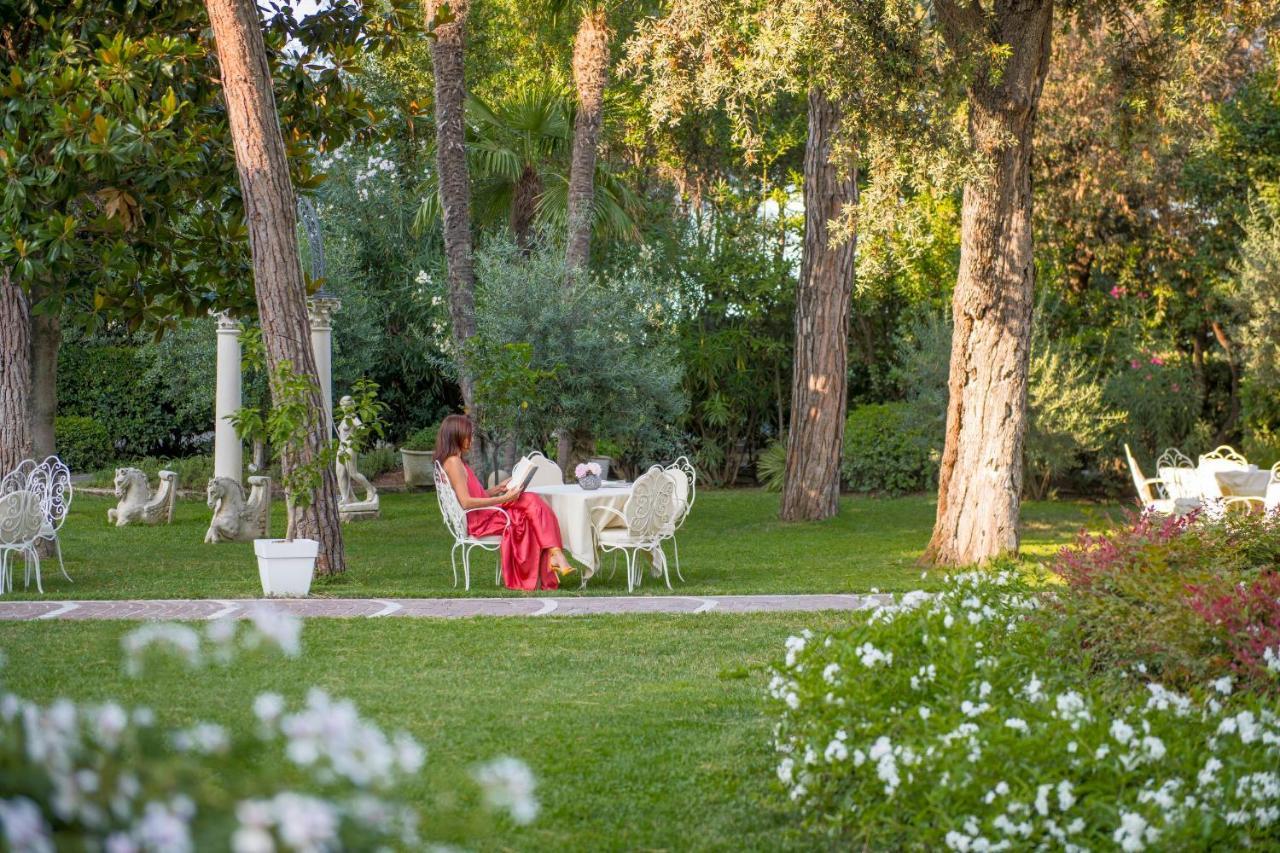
{"type": "Point", "coordinates": [321, 312]}
{"type": "Point", "coordinates": [228, 452]}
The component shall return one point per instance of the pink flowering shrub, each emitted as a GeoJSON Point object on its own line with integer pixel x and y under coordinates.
{"type": "Point", "coordinates": [1178, 599]}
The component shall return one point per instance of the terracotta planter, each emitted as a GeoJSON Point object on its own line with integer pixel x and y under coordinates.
{"type": "Point", "coordinates": [286, 566]}
{"type": "Point", "coordinates": [419, 469]}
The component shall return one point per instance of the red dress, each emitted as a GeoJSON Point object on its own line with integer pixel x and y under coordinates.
{"type": "Point", "coordinates": [525, 548]}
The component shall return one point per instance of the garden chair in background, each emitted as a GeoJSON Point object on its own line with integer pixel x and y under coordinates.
{"type": "Point", "coordinates": [1153, 501]}
{"type": "Point", "coordinates": [455, 521]}
{"type": "Point", "coordinates": [1179, 477]}
{"type": "Point", "coordinates": [1222, 458]}
{"type": "Point", "coordinates": [21, 520]}
{"type": "Point", "coordinates": [646, 521]}
{"type": "Point", "coordinates": [685, 477]}
{"type": "Point", "coordinates": [50, 481]}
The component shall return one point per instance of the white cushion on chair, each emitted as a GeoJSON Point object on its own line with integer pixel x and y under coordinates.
{"type": "Point", "coordinates": [483, 540]}
{"type": "Point", "coordinates": [618, 536]}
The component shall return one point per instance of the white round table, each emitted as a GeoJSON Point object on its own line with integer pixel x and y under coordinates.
{"type": "Point", "coordinates": [572, 505]}
{"type": "Point", "coordinates": [1244, 483]}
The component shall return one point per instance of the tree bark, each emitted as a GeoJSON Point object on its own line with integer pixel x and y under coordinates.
{"type": "Point", "coordinates": [980, 481]}
{"type": "Point", "coordinates": [819, 384]}
{"type": "Point", "coordinates": [590, 74]}
{"type": "Point", "coordinates": [46, 338]}
{"type": "Point", "coordinates": [447, 53]}
{"type": "Point", "coordinates": [270, 214]}
{"type": "Point", "coordinates": [15, 374]}
{"type": "Point", "coordinates": [524, 206]}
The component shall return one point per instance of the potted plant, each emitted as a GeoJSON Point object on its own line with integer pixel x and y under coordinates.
{"type": "Point", "coordinates": [416, 455]}
{"type": "Point", "coordinates": [286, 566]}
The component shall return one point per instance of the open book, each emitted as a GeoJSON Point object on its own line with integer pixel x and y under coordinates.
{"type": "Point", "coordinates": [522, 473]}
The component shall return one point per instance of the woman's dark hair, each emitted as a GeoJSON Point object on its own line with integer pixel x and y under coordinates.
{"type": "Point", "coordinates": [455, 431]}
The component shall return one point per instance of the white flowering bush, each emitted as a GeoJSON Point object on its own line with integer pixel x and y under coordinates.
{"type": "Point", "coordinates": [969, 721]}
{"type": "Point", "coordinates": [100, 776]}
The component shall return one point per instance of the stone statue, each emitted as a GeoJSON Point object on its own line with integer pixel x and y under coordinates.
{"type": "Point", "coordinates": [137, 503]}
{"type": "Point", "coordinates": [349, 476]}
{"type": "Point", "coordinates": [234, 519]}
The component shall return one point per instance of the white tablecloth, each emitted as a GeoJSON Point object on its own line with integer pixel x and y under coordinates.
{"type": "Point", "coordinates": [572, 505]}
{"type": "Point", "coordinates": [1250, 483]}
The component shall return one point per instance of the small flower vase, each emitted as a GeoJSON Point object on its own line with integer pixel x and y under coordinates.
{"type": "Point", "coordinates": [589, 482]}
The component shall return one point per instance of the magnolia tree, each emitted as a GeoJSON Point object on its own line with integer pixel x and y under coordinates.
{"type": "Point", "coordinates": [312, 774]}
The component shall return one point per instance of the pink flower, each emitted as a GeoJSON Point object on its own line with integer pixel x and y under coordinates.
{"type": "Point", "coordinates": [1135, 364]}
{"type": "Point", "coordinates": [1157, 361]}
{"type": "Point", "coordinates": [1117, 292]}
{"type": "Point", "coordinates": [1142, 294]}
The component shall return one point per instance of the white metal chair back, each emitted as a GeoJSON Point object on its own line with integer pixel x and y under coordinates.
{"type": "Point", "coordinates": [652, 504]}
{"type": "Point", "coordinates": [1139, 481]}
{"type": "Point", "coordinates": [1174, 458]}
{"type": "Point", "coordinates": [1271, 500]}
{"type": "Point", "coordinates": [685, 477]}
{"type": "Point", "coordinates": [546, 472]}
{"type": "Point", "coordinates": [51, 481]}
{"type": "Point", "coordinates": [450, 507]}
{"type": "Point", "coordinates": [16, 479]}
{"type": "Point", "coordinates": [20, 518]}
{"type": "Point", "coordinates": [1223, 458]}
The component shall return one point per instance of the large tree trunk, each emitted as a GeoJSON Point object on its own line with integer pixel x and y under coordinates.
{"type": "Point", "coordinates": [980, 481]}
{"type": "Point", "coordinates": [455, 183]}
{"type": "Point", "coordinates": [46, 338]}
{"type": "Point", "coordinates": [277, 272]}
{"type": "Point", "coordinates": [15, 374]}
{"type": "Point", "coordinates": [524, 206]}
{"type": "Point", "coordinates": [590, 73]}
{"type": "Point", "coordinates": [819, 384]}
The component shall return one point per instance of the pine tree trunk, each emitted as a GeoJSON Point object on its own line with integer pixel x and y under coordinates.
{"type": "Point", "coordinates": [46, 338]}
{"type": "Point", "coordinates": [819, 385]}
{"type": "Point", "coordinates": [277, 272]}
{"type": "Point", "coordinates": [590, 74]}
{"type": "Point", "coordinates": [15, 374]}
{"type": "Point", "coordinates": [447, 52]}
{"type": "Point", "coordinates": [980, 481]}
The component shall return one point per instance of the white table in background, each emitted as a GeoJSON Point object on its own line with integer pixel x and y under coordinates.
{"type": "Point", "coordinates": [572, 505]}
{"type": "Point", "coordinates": [1249, 482]}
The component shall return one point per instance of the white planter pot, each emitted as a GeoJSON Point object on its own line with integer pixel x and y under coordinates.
{"type": "Point", "coordinates": [419, 469]}
{"type": "Point", "coordinates": [286, 566]}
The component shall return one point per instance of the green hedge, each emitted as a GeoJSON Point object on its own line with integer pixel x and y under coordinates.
{"type": "Point", "coordinates": [885, 451]}
{"type": "Point", "coordinates": [83, 443]}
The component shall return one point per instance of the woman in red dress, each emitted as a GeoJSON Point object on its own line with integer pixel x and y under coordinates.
{"type": "Point", "coordinates": [532, 555]}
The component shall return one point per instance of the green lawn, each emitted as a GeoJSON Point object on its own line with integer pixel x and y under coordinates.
{"type": "Point", "coordinates": [732, 543]}
{"type": "Point", "coordinates": [645, 732]}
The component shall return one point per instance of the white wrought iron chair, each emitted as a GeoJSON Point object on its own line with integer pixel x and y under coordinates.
{"type": "Point", "coordinates": [1179, 477]}
{"type": "Point", "coordinates": [1221, 458]}
{"type": "Point", "coordinates": [685, 477]}
{"type": "Point", "coordinates": [455, 520]}
{"type": "Point", "coordinates": [1162, 503]}
{"type": "Point", "coordinates": [646, 518]}
{"type": "Point", "coordinates": [51, 480]}
{"type": "Point", "coordinates": [21, 519]}
{"type": "Point", "coordinates": [547, 472]}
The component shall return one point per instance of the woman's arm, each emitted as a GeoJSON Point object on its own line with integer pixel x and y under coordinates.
{"type": "Point", "coordinates": [457, 474]}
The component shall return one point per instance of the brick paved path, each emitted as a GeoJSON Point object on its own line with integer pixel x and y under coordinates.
{"type": "Point", "coordinates": [438, 608]}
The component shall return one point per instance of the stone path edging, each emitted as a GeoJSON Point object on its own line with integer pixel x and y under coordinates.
{"type": "Point", "coordinates": [434, 608]}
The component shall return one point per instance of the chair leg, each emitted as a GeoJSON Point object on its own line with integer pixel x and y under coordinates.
{"type": "Point", "coordinates": [466, 567]}
{"type": "Point", "coordinates": [660, 556]}
{"type": "Point", "coordinates": [57, 547]}
{"type": "Point", "coordinates": [627, 555]}
{"type": "Point", "coordinates": [453, 562]}
{"type": "Point", "coordinates": [32, 562]}
{"type": "Point", "coordinates": [497, 572]}
{"type": "Point", "coordinates": [675, 546]}
{"type": "Point", "coordinates": [614, 570]}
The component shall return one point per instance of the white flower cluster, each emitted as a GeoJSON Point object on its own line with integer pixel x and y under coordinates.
{"type": "Point", "coordinates": [268, 626]}
{"type": "Point", "coordinates": [948, 706]}
{"type": "Point", "coordinates": [331, 738]}
{"type": "Point", "coordinates": [509, 785]}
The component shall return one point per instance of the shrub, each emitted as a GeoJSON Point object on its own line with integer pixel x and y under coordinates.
{"type": "Point", "coordinates": [771, 465]}
{"type": "Point", "coordinates": [193, 471]}
{"type": "Point", "coordinates": [966, 721]}
{"type": "Point", "coordinates": [82, 443]}
{"type": "Point", "coordinates": [423, 440]}
{"type": "Point", "coordinates": [1177, 597]}
{"type": "Point", "coordinates": [884, 451]}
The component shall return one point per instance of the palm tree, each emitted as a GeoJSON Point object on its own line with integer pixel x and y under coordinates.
{"type": "Point", "coordinates": [518, 161]}
{"type": "Point", "coordinates": [590, 73]}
